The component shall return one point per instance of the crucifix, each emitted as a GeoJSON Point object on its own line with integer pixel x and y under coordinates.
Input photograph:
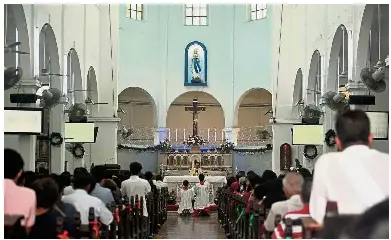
{"type": "Point", "coordinates": [195, 110]}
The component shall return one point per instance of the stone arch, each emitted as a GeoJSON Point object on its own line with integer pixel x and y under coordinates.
{"type": "Point", "coordinates": [252, 113]}
{"type": "Point", "coordinates": [92, 90]}
{"type": "Point", "coordinates": [74, 79]}
{"type": "Point", "coordinates": [49, 62]}
{"type": "Point", "coordinates": [297, 94]}
{"type": "Point", "coordinates": [314, 85]}
{"type": "Point", "coordinates": [369, 18]}
{"type": "Point", "coordinates": [16, 30]}
{"type": "Point", "coordinates": [211, 122]}
{"type": "Point", "coordinates": [336, 65]}
{"type": "Point", "coordinates": [137, 111]}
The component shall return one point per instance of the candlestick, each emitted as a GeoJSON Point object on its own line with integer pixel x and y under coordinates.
{"type": "Point", "coordinates": [176, 134]}
{"type": "Point", "coordinates": [208, 134]}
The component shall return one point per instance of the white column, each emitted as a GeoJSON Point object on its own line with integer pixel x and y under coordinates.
{"type": "Point", "coordinates": [231, 134]}
{"type": "Point", "coordinates": [27, 144]}
{"type": "Point", "coordinates": [161, 134]}
{"type": "Point", "coordinates": [57, 124]}
{"type": "Point", "coordinates": [104, 150]}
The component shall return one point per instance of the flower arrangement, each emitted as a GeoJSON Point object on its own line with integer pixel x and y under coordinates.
{"type": "Point", "coordinates": [164, 146]}
{"type": "Point", "coordinates": [194, 141]}
{"type": "Point", "coordinates": [227, 146]}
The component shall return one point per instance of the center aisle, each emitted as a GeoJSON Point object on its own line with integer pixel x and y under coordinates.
{"type": "Point", "coordinates": [191, 228]}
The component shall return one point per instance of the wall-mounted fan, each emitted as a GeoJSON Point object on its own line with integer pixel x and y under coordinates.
{"type": "Point", "coordinates": [50, 98]}
{"type": "Point", "coordinates": [374, 78]}
{"type": "Point", "coordinates": [336, 101]}
{"type": "Point", "coordinates": [77, 113]}
{"type": "Point", "coordinates": [125, 132]}
{"type": "Point", "coordinates": [12, 76]}
{"type": "Point", "coordinates": [11, 48]}
{"type": "Point", "coordinates": [311, 114]}
{"type": "Point", "coordinates": [263, 134]}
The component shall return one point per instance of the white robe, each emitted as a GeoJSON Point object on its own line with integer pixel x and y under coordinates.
{"type": "Point", "coordinates": [202, 194]}
{"type": "Point", "coordinates": [184, 199]}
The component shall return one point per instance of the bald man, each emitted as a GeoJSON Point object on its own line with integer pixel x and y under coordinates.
{"type": "Point", "coordinates": [292, 185]}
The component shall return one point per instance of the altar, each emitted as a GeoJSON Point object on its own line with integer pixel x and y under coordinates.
{"type": "Point", "coordinates": [174, 183]}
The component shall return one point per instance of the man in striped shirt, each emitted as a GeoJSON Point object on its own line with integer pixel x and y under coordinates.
{"type": "Point", "coordinates": [279, 231]}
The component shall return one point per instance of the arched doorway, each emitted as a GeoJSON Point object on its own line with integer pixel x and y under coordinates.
{"type": "Point", "coordinates": [338, 63]}
{"type": "Point", "coordinates": [49, 77]}
{"type": "Point", "coordinates": [92, 92]}
{"type": "Point", "coordinates": [138, 114]}
{"type": "Point", "coordinates": [74, 79]}
{"type": "Point", "coordinates": [314, 86]}
{"type": "Point", "coordinates": [298, 101]}
{"type": "Point", "coordinates": [211, 122]}
{"type": "Point", "coordinates": [373, 46]}
{"type": "Point", "coordinates": [252, 115]}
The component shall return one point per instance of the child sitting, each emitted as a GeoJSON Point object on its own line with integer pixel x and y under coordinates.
{"type": "Point", "coordinates": [185, 196]}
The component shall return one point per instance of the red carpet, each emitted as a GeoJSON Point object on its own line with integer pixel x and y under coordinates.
{"type": "Point", "coordinates": [175, 208]}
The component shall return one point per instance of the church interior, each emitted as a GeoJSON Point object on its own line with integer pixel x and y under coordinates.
{"type": "Point", "coordinates": [222, 111]}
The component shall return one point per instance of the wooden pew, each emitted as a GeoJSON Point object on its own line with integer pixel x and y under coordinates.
{"type": "Point", "coordinates": [233, 218]}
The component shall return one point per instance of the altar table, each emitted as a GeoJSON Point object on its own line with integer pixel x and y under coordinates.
{"type": "Point", "coordinates": [175, 182]}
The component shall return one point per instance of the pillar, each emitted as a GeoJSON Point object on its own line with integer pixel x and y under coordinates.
{"type": "Point", "coordinates": [161, 134]}
{"type": "Point", "coordinates": [57, 154]}
{"type": "Point", "coordinates": [27, 144]}
{"type": "Point", "coordinates": [104, 150]}
{"type": "Point", "coordinates": [231, 134]}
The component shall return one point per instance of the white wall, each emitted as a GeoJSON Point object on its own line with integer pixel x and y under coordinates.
{"type": "Point", "coordinates": [84, 28]}
{"type": "Point", "coordinates": [304, 29]}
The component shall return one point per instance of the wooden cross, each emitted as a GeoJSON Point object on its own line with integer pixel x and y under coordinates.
{"type": "Point", "coordinates": [195, 110]}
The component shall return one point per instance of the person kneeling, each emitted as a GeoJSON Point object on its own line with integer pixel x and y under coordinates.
{"type": "Point", "coordinates": [202, 192]}
{"type": "Point", "coordinates": [185, 199]}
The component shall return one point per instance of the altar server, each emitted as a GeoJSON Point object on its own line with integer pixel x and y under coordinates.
{"type": "Point", "coordinates": [202, 193]}
{"type": "Point", "coordinates": [185, 197]}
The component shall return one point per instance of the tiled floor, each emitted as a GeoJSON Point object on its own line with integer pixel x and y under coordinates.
{"type": "Point", "coordinates": [190, 228]}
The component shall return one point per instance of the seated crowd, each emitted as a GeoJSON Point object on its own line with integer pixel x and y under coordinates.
{"type": "Point", "coordinates": [41, 198]}
{"type": "Point", "coordinates": [347, 196]}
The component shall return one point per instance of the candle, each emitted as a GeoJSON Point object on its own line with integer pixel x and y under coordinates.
{"type": "Point", "coordinates": [169, 134]}
{"type": "Point", "coordinates": [184, 134]}
{"type": "Point", "coordinates": [215, 135]}
{"type": "Point", "coordinates": [222, 135]}
{"type": "Point", "coordinates": [176, 134]}
{"type": "Point", "coordinates": [208, 134]}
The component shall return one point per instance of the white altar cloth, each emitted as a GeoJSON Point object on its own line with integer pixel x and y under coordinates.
{"type": "Point", "coordinates": [175, 182]}
{"type": "Point", "coordinates": [194, 179]}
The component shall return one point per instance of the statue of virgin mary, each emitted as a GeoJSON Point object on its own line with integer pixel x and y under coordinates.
{"type": "Point", "coordinates": [196, 67]}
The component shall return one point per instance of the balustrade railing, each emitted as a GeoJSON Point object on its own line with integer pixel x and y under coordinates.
{"type": "Point", "coordinates": [246, 136]}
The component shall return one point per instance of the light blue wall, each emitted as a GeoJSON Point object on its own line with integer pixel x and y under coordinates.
{"type": "Point", "coordinates": [151, 54]}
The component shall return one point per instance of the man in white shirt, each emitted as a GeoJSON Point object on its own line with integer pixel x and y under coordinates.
{"type": "Point", "coordinates": [356, 178]}
{"type": "Point", "coordinates": [292, 184]}
{"type": "Point", "coordinates": [69, 189]}
{"type": "Point", "coordinates": [159, 182]}
{"type": "Point", "coordinates": [137, 186]}
{"type": "Point", "coordinates": [82, 201]}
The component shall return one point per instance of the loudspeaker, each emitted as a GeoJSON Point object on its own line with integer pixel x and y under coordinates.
{"type": "Point", "coordinates": [23, 98]}
{"type": "Point", "coordinates": [362, 100]}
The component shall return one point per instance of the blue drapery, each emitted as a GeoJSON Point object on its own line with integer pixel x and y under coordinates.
{"type": "Point", "coordinates": [196, 65]}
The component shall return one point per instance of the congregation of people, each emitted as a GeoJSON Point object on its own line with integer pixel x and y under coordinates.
{"type": "Point", "coordinates": [352, 183]}
{"type": "Point", "coordinates": [354, 180]}
{"type": "Point", "coordinates": [40, 198]}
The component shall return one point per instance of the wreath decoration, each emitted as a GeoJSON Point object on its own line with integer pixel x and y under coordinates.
{"type": "Point", "coordinates": [330, 138]}
{"type": "Point", "coordinates": [56, 139]}
{"type": "Point", "coordinates": [78, 150]}
{"type": "Point", "coordinates": [311, 148]}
